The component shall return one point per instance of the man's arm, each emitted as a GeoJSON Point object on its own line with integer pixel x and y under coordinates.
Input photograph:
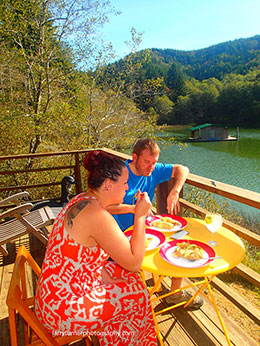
{"type": "Point", "coordinates": [179, 174]}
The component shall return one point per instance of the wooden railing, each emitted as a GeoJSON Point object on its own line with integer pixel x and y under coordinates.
{"type": "Point", "coordinates": [246, 197]}
{"type": "Point", "coordinates": [240, 195]}
{"type": "Point", "coordinates": [74, 156]}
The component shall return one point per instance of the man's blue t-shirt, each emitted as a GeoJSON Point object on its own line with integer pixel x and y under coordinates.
{"type": "Point", "coordinates": [161, 173]}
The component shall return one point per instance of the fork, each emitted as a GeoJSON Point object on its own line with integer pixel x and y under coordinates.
{"type": "Point", "coordinates": [134, 198]}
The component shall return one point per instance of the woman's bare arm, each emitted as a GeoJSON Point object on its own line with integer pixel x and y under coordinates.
{"type": "Point", "coordinates": [121, 208]}
{"type": "Point", "coordinates": [109, 236]}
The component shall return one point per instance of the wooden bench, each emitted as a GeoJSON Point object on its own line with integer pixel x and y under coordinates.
{"type": "Point", "coordinates": [22, 222]}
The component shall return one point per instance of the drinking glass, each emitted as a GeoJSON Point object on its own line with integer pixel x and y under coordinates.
{"type": "Point", "coordinates": [213, 223]}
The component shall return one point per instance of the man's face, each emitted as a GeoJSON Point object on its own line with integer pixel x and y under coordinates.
{"type": "Point", "coordinates": [145, 163]}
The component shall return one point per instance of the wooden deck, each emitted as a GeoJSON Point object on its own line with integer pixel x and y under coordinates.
{"type": "Point", "coordinates": [178, 327]}
{"type": "Point", "coordinates": [199, 327]}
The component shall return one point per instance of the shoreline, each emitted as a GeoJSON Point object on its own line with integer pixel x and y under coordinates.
{"type": "Point", "coordinates": [229, 161]}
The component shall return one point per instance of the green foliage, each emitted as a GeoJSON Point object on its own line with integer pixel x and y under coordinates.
{"type": "Point", "coordinates": [96, 118]}
{"type": "Point", "coordinates": [238, 56]}
{"type": "Point", "coordinates": [163, 107]}
{"type": "Point", "coordinates": [39, 57]}
{"type": "Point", "coordinates": [232, 101]}
{"type": "Point", "coordinates": [175, 81]}
{"type": "Point", "coordinates": [33, 178]}
{"type": "Point", "coordinates": [134, 79]}
{"type": "Point", "coordinates": [210, 202]}
{"type": "Point", "coordinates": [219, 84]}
{"type": "Point", "coordinates": [55, 106]}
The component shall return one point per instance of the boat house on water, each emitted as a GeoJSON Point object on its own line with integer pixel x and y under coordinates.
{"type": "Point", "coordinates": [209, 132]}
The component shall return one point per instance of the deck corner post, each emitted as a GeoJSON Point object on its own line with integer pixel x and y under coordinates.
{"type": "Point", "coordinates": [77, 174]}
{"type": "Point", "coordinates": [162, 192]}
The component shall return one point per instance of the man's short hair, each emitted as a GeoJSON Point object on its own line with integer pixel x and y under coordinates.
{"type": "Point", "coordinates": [146, 143]}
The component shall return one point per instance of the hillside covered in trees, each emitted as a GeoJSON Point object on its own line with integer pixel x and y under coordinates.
{"type": "Point", "coordinates": [238, 56]}
{"type": "Point", "coordinates": [219, 84]}
{"type": "Point", "coordinates": [58, 90]}
{"type": "Point", "coordinates": [49, 97]}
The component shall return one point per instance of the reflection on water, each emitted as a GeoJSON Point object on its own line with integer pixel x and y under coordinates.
{"type": "Point", "coordinates": [231, 162]}
{"type": "Point", "coordinates": [245, 147]}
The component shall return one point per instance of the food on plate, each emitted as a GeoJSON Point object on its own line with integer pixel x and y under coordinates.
{"type": "Point", "coordinates": [165, 222]}
{"type": "Point", "coordinates": [170, 220]}
{"type": "Point", "coordinates": [188, 251]}
{"type": "Point", "coordinates": [148, 241]}
{"type": "Point", "coordinates": [162, 224]}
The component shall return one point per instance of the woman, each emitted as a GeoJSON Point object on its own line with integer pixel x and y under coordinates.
{"type": "Point", "coordinates": [79, 291]}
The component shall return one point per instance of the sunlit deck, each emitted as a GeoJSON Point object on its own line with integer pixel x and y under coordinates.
{"type": "Point", "coordinates": [179, 326]}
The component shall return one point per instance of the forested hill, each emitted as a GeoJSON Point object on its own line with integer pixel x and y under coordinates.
{"type": "Point", "coordinates": [218, 84]}
{"type": "Point", "coordinates": [238, 56]}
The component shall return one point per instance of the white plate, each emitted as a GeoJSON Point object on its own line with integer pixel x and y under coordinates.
{"type": "Point", "coordinates": [182, 223]}
{"type": "Point", "coordinates": [167, 250]}
{"type": "Point", "coordinates": [157, 238]}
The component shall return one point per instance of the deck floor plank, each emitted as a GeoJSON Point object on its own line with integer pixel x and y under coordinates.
{"type": "Point", "coordinates": [199, 327]}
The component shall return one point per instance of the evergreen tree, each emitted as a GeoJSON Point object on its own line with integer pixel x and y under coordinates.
{"type": "Point", "coordinates": [175, 82]}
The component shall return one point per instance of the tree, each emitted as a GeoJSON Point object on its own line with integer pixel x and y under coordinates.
{"type": "Point", "coordinates": [163, 106]}
{"type": "Point", "coordinates": [97, 118]}
{"type": "Point", "coordinates": [175, 81]}
{"type": "Point", "coordinates": [39, 34]}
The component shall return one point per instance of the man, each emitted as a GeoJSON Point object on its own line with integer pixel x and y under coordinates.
{"type": "Point", "coordinates": [145, 173]}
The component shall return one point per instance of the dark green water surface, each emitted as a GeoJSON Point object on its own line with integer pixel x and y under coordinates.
{"type": "Point", "coordinates": [232, 162]}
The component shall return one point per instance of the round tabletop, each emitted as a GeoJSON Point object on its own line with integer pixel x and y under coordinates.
{"type": "Point", "coordinates": [230, 248]}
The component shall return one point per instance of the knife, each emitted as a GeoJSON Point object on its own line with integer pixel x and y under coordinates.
{"type": "Point", "coordinates": [179, 234]}
{"type": "Point", "coordinates": [215, 257]}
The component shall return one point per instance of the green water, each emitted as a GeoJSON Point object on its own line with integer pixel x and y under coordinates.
{"type": "Point", "coordinates": [232, 162]}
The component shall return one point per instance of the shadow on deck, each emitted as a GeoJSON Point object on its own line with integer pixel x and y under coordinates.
{"type": "Point", "coordinates": [179, 326]}
{"type": "Point", "coordinates": [186, 327]}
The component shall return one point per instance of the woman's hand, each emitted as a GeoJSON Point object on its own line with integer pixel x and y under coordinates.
{"type": "Point", "coordinates": [143, 204]}
{"type": "Point", "coordinates": [107, 279]}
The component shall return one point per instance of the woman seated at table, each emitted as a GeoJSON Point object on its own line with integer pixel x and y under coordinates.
{"type": "Point", "coordinates": [79, 291]}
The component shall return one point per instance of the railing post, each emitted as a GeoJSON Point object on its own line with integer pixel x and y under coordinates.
{"type": "Point", "coordinates": [162, 192]}
{"type": "Point", "coordinates": [77, 174]}
{"type": "Point", "coordinates": [161, 198]}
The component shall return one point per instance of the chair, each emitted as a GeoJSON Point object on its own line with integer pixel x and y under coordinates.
{"type": "Point", "coordinates": [22, 222]}
{"type": "Point", "coordinates": [19, 300]}
{"type": "Point", "coordinates": [16, 198]}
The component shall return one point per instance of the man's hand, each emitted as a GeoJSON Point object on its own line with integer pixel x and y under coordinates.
{"type": "Point", "coordinates": [173, 206]}
{"type": "Point", "coordinates": [179, 174]}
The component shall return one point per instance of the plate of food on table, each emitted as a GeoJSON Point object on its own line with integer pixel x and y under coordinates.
{"type": "Point", "coordinates": [187, 253]}
{"type": "Point", "coordinates": [166, 223]}
{"type": "Point", "coordinates": [153, 239]}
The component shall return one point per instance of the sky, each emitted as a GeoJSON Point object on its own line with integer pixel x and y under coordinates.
{"type": "Point", "coordinates": [181, 24]}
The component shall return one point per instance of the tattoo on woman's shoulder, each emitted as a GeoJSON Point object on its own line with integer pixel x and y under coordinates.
{"type": "Point", "coordinates": [74, 210]}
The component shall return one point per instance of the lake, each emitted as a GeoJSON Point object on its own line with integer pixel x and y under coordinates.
{"type": "Point", "coordinates": [231, 162]}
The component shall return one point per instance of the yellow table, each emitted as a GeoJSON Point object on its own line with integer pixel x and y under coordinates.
{"type": "Point", "coordinates": [230, 248]}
